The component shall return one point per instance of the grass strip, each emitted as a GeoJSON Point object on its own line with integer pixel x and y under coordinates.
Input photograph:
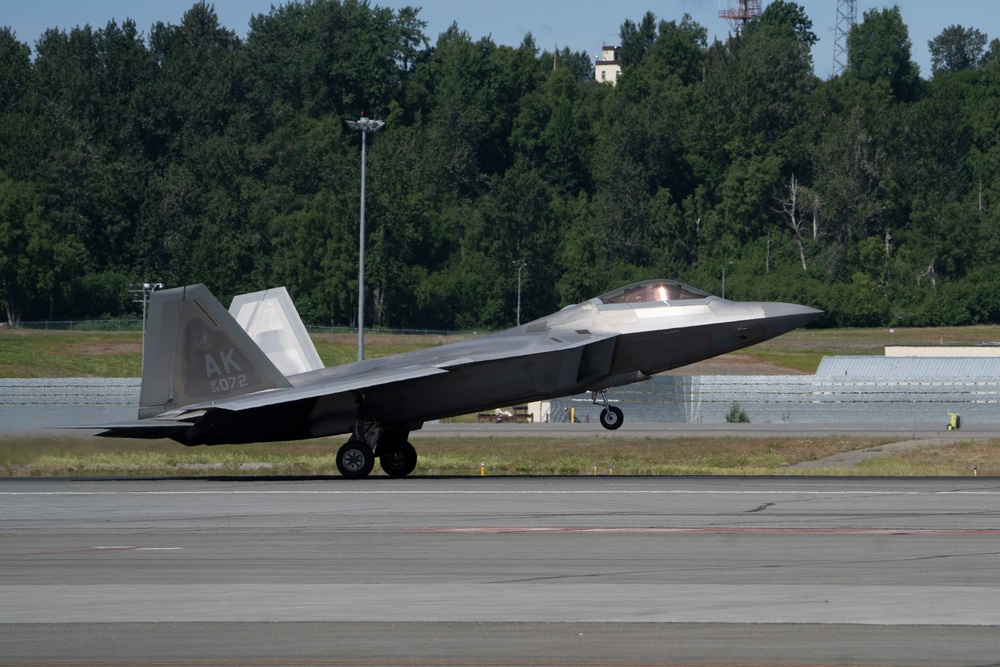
{"type": "Point", "coordinates": [520, 456]}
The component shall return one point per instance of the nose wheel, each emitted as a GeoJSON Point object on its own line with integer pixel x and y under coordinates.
{"type": "Point", "coordinates": [612, 416]}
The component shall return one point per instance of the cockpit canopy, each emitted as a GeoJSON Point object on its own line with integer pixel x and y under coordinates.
{"type": "Point", "coordinates": [653, 290]}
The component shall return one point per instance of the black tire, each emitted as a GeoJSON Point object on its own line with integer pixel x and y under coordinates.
{"type": "Point", "coordinates": [612, 417]}
{"type": "Point", "coordinates": [355, 459]}
{"type": "Point", "coordinates": [399, 462]}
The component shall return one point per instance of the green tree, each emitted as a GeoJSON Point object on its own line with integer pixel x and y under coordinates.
{"type": "Point", "coordinates": [636, 40]}
{"type": "Point", "coordinates": [854, 160]}
{"type": "Point", "coordinates": [407, 239]}
{"type": "Point", "coordinates": [16, 119]}
{"type": "Point", "coordinates": [36, 263]}
{"type": "Point", "coordinates": [756, 86]}
{"type": "Point", "coordinates": [327, 56]}
{"type": "Point", "coordinates": [554, 131]}
{"type": "Point", "coordinates": [679, 51]}
{"type": "Point", "coordinates": [15, 68]}
{"type": "Point", "coordinates": [879, 49]}
{"type": "Point", "coordinates": [957, 49]}
{"type": "Point", "coordinates": [579, 63]}
{"type": "Point", "coordinates": [516, 226]}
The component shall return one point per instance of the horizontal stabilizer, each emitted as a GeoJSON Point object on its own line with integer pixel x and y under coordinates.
{"type": "Point", "coordinates": [146, 428]}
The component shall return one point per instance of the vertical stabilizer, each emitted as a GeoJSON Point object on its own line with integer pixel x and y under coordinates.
{"type": "Point", "coordinates": [195, 352]}
{"type": "Point", "coordinates": [270, 318]}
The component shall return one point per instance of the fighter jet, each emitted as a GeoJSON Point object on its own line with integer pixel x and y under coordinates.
{"type": "Point", "coordinates": [251, 374]}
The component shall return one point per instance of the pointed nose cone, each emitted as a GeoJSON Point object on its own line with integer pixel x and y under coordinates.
{"type": "Point", "coordinates": [782, 317]}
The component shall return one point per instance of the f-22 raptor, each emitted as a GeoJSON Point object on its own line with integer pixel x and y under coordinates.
{"type": "Point", "coordinates": [251, 374]}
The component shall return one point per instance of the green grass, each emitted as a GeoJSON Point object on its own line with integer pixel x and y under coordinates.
{"type": "Point", "coordinates": [806, 361]}
{"type": "Point", "coordinates": [43, 354]}
{"type": "Point", "coordinates": [506, 456]}
{"type": "Point", "coordinates": [25, 354]}
{"type": "Point", "coordinates": [336, 349]}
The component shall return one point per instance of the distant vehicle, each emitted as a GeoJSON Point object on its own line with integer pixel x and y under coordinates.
{"type": "Point", "coordinates": [252, 374]}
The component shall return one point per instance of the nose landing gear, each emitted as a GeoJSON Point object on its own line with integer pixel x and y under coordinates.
{"type": "Point", "coordinates": [612, 416]}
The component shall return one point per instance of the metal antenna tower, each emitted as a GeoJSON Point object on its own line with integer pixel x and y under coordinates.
{"type": "Point", "coordinates": [744, 12]}
{"type": "Point", "coordinates": [847, 16]}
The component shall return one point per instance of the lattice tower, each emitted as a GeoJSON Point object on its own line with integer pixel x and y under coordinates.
{"type": "Point", "coordinates": [847, 16]}
{"type": "Point", "coordinates": [744, 12]}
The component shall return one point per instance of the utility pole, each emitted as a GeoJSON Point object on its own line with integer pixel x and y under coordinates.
{"type": "Point", "coordinates": [145, 289]}
{"type": "Point", "coordinates": [364, 125]}
{"type": "Point", "coordinates": [520, 268]}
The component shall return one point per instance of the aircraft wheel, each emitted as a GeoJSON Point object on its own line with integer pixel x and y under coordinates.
{"type": "Point", "coordinates": [355, 459]}
{"type": "Point", "coordinates": [400, 462]}
{"type": "Point", "coordinates": [612, 417]}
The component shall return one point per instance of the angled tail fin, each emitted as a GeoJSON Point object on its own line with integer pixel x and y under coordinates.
{"type": "Point", "coordinates": [270, 318]}
{"type": "Point", "coordinates": [196, 352]}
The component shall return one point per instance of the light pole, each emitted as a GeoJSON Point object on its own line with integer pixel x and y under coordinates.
{"type": "Point", "coordinates": [519, 269]}
{"type": "Point", "coordinates": [144, 289]}
{"type": "Point", "coordinates": [364, 125]}
{"type": "Point", "coordinates": [724, 278]}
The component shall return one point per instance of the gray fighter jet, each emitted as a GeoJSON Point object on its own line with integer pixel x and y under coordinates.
{"type": "Point", "coordinates": [252, 374]}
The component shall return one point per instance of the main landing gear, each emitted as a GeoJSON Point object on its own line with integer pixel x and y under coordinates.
{"type": "Point", "coordinates": [612, 416]}
{"type": "Point", "coordinates": [356, 458]}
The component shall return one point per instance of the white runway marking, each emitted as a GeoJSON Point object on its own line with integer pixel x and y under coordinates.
{"type": "Point", "coordinates": [513, 492]}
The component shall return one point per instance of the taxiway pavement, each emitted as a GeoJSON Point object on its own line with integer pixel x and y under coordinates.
{"type": "Point", "coordinates": [501, 571]}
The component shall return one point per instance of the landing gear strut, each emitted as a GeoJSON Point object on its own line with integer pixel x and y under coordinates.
{"type": "Point", "coordinates": [612, 416]}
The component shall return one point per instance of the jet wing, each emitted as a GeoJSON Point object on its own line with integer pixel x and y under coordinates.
{"type": "Point", "coordinates": [324, 387]}
{"type": "Point", "coordinates": [361, 380]}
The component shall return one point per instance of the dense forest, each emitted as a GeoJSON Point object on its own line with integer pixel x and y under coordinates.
{"type": "Point", "coordinates": [187, 154]}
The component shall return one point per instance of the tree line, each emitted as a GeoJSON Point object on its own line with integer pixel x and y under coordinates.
{"type": "Point", "coordinates": [188, 154]}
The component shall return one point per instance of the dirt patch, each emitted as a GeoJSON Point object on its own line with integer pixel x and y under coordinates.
{"type": "Point", "coordinates": [854, 457]}
{"type": "Point", "coordinates": [105, 347]}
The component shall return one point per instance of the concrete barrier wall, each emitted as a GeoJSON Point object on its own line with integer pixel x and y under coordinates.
{"type": "Point", "coordinates": [33, 405]}
{"type": "Point", "coordinates": [804, 399]}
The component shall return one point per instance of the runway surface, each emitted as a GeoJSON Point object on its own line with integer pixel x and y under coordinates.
{"type": "Point", "coordinates": [501, 571]}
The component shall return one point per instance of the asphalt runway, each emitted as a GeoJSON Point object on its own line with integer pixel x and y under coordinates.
{"type": "Point", "coordinates": [501, 571]}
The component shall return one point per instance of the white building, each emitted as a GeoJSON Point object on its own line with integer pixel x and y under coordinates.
{"type": "Point", "coordinates": [607, 68]}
